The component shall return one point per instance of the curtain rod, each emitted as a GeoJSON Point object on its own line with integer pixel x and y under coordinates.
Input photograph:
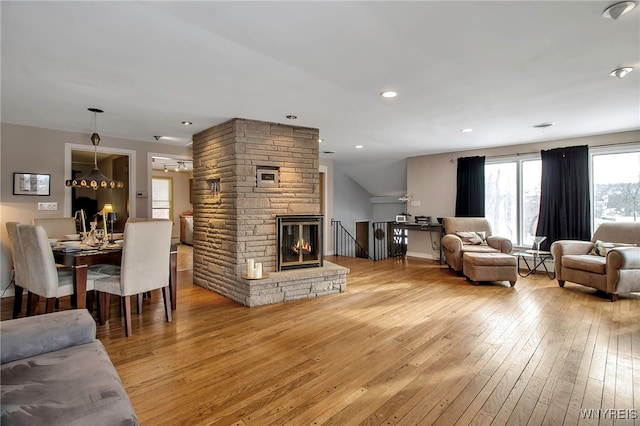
{"type": "Point", "coordinates": [453, 160]}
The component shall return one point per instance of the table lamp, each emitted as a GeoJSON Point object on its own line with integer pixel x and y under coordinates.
{"type": "Point", "coordinates": [108, 213]}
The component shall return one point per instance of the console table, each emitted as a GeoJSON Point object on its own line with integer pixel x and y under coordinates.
{"type": "Point", "coordinates": [426, 227]}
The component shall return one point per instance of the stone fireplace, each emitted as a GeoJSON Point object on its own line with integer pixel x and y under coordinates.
{"type": "Point", "coordinates": [248, 173]}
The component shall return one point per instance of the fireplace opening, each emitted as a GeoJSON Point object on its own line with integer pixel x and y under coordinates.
{"type": "Point", "coordinates": [299, 241]}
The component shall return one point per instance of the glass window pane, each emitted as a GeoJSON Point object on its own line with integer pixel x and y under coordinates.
{"type": "Point", "coordinates": [161, 201]}
{"type": "Point", "coordinates": [616, 187]}
{"type": "Point", "coordinates": [160, 213]}
{"type": "Point", "coordinates": [158, 204]}
{"type": "Point", "coordinates": [501, 199]}
{"type": "Point", "coordinates": [531, 178]}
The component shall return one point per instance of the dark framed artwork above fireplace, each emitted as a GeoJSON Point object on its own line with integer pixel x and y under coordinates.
{"type": "Point", "coordinates": [299, 241]}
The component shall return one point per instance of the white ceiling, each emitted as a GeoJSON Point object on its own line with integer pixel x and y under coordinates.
{"type": "Point", "coordinates": [497, 67]}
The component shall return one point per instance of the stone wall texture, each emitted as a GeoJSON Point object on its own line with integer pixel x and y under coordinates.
{"type": "Point", "coordinates": [239, 222]}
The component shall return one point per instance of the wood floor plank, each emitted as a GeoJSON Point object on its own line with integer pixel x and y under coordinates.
{"type": "Point", "coordinates": [409, 343]}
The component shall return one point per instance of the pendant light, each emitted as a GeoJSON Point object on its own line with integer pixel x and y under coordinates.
{"type": "Point", "coordinates": [95, 179]}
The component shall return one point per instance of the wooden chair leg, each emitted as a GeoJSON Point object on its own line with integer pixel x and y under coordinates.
{"type": "Point", "coordinates": [51, 304]}
{"type": "Point", "coordinates": [166, 295]}
{"type": "Point", "coordinates": [17, 302]}
{"type": "Point", "coordinates": [91, 297]}
{"type": "Point", "coordinates": [32, 303]}
{"type": "Point", "coordinates": [127, 316]}
{"type": "Point", "coordinates": [104, 300]}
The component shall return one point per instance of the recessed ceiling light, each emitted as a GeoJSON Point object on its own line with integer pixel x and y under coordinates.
{"type": "Point", "coordinates": [359, 146]}
{"type": "Point", "coordinates": [543, 125]}
{"type": "Point", "coordinates": [320, 140]}
{"type": "Point", "coordinates": [389, 94]}
{"type": "Point", "coordinates": [328, 152]}
{"type": "Point", "coordinates": [617, 10]}
{"type": "Point", "coordinates": [466, 130]}
{"type": "Point", "coordinates": [291, 117]}
{"type": "Point", "coordinates": [621, 72]}
{"type": "Point", "coordinates": [187, 123]}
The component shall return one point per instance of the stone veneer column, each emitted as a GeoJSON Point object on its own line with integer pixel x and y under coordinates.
{"type": "Point", "coordinates": [240, 222]}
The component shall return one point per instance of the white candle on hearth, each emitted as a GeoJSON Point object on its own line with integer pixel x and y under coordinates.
{"type": "Point", "coordinates": [258, 272]}
{"type": "Point", "coordinates": [250, 268]}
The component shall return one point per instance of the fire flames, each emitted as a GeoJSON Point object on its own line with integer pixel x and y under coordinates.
{"type": "Point", "coordinates": [301, 245]}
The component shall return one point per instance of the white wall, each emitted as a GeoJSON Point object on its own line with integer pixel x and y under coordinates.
{"type": "Point", "coordinates": [326, 167]}
{"type": "Point", "coordinates": [33, 149]}
{"type": "Point", "coordinates": [431, 179]}
{"type": "Point", "coordinates": [351, 202]}
{"type": "Point", "coordinates": [385, 209]}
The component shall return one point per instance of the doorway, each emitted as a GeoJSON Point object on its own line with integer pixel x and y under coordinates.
{"type": "Point", "coordinates": [362, 237]}
{"type": "Point", "coordinates": [78, 162]}
{"type": "Point", "coordinates": [170, 183]}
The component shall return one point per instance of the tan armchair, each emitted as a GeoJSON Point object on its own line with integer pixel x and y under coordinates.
{"type": "Point", "coordinates": [454, 246]}
{"type": "Point", "coordinates": [614, 271]}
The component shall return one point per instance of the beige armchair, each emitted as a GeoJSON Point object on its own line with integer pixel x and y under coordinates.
{"type": "Point", "coordinates": [454, 245]}
{"type": "Point", "coordinates": [456, 241]}
{"type": "Point", "coordinates": [610, 268]}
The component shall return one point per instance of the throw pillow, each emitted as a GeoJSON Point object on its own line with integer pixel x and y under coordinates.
{"type": "Point", "coordinates": [600, 248]}
{"type": "Point", "coordinates": [471, 237]}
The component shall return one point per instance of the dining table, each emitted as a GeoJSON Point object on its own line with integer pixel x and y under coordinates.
{"type": "Point", "coordinates": [80, 260]}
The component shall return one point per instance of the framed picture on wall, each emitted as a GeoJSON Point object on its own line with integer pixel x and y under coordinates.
{"type": "Point", "coordinates": [31, 184]}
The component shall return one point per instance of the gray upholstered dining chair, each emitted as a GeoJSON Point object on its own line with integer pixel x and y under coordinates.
{"type": "Point", "coordinates": [19, 266]}
{"type": "Point", "coordinates": [144, 267]}
{"type": "Point", "coordinates": [57, 227]}
{"type": "Point", "coordinates": [44, 279]}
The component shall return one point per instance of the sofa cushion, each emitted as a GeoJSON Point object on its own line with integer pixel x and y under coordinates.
{"type": "Point", "coordinates": [30, 336]}
{"type": "Point", "coordinates": [600, 248]}
{"type": "Point", "coordinates": [481, 248]}
{"type": "Point", "coordinates": [585, 262]}
{"type": "Point", "coordinates": [73, 386]}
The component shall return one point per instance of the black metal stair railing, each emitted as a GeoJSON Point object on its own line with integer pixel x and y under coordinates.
{"type": "Point", "coordinates": [344, 244]}
{"type": "Point", "coordinates": [388, 240]}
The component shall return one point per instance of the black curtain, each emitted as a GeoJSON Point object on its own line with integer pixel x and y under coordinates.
{"type": "Point", "coordinates": [470, 187]}
{"type": "Point", "coordinates": [564, 195]}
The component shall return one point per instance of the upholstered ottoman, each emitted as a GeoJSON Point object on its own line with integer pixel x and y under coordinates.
{"type": "Point", "coordinates": [490, 267]}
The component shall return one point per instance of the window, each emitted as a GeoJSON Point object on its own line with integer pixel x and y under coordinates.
{"type": "Point", "coordinates": [512, 191]}
{"type": "Point", "coordinates": [501, 198]}
{"type": "Point", "coordinates": [161, 201]}
{"type": "Point", "coordinates": [531, 179]}
{"type": "Point", "coordinates": [512, 198]}
{"type": "Point", "coordinates": [615, 185]}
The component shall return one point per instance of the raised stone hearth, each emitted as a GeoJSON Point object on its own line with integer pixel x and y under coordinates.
{"type": "Point", "coordinates": [296, 284]}
{"type": "Point", "coordinates": [246, 173]}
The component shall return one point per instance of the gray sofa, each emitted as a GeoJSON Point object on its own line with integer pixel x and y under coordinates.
{"type": "Point", "coordinates": [454, 246]}
{"type": "Point", "coordinates": [55, 372]}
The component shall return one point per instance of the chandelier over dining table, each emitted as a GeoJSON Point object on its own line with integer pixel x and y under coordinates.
{"type": "Point", "coordinates": [94, 179]}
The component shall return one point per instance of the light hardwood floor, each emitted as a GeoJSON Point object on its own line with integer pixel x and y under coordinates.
{"type": "Point", "coordinates": [409, 343]}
